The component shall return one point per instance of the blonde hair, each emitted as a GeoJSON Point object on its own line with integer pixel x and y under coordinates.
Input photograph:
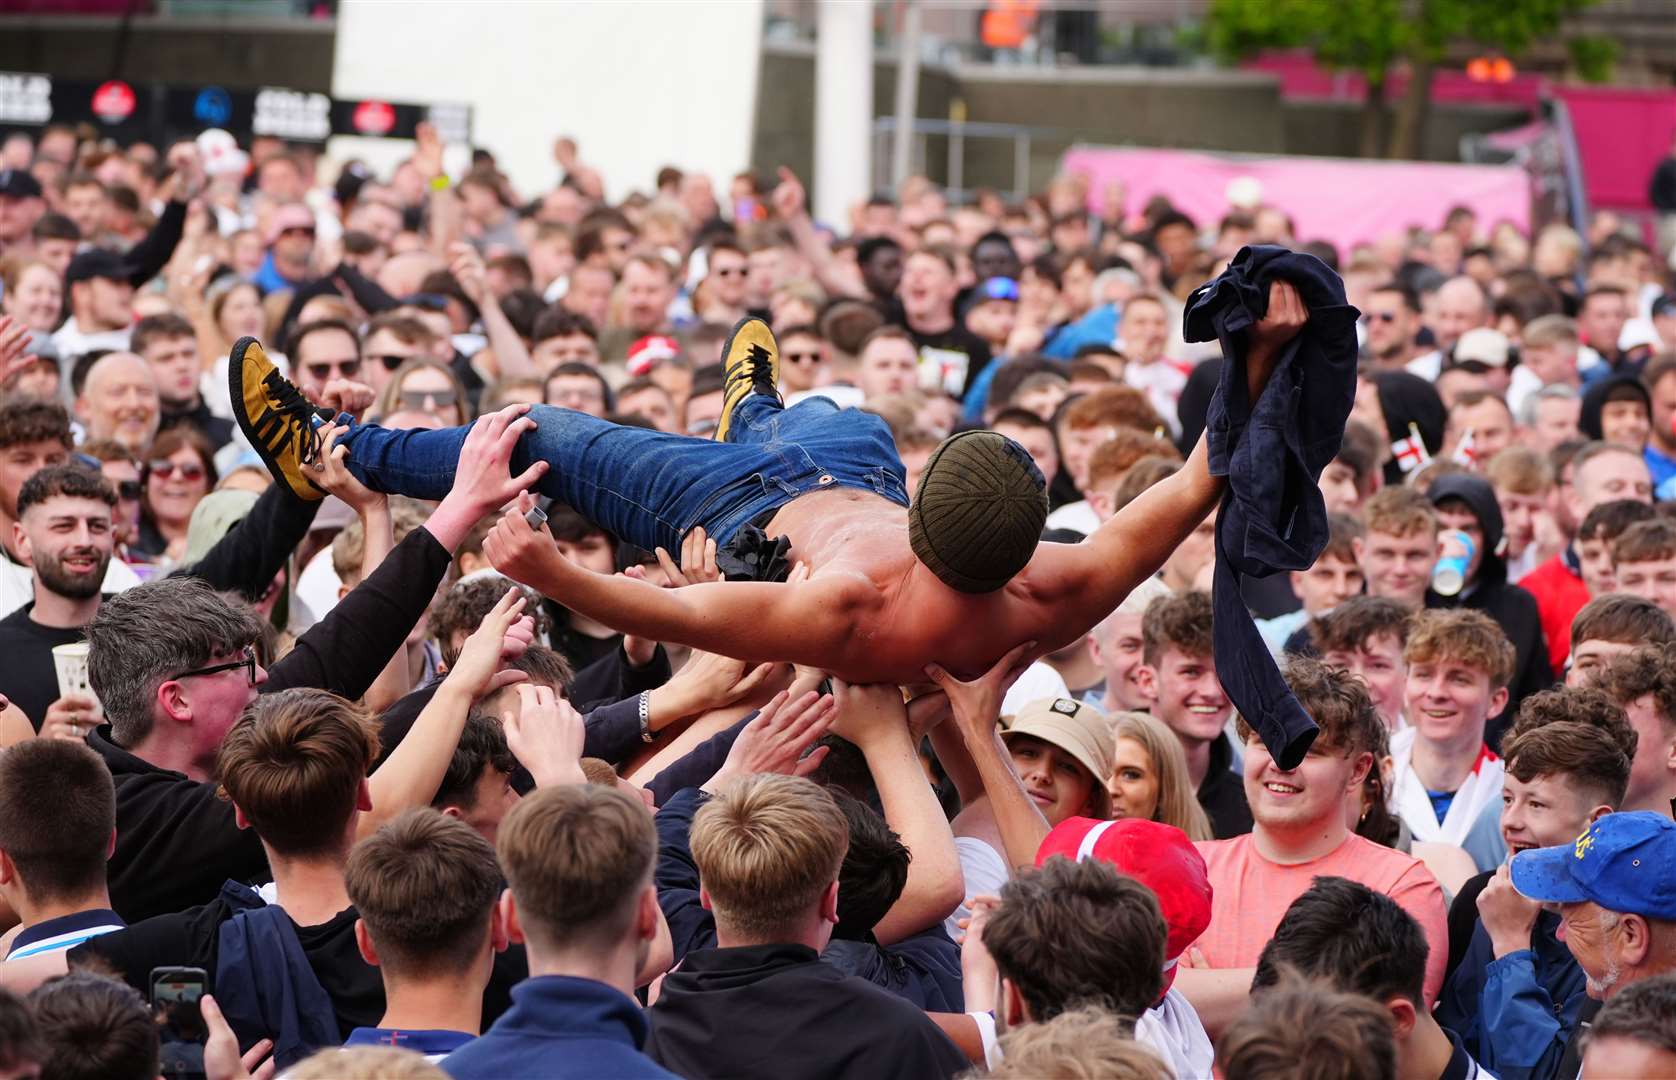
{"type": "Point", "coordinates": [1520, 470]}
{"type": "Point", "coordinates": [767, 847]}
{"type": "Point", "coordinates": [1083, 1044]}
{"type": "Point", "coordinates": [365, 1063]}
{"type": "Point", "coordinates": [1399, 511]}
{"type": "Point", "coordinates": [1178, 804]}
{"type": "Point", "coordinates": [1465, 636]}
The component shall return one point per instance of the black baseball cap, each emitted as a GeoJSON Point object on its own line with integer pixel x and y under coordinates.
{"type": "Point", "coordinates": [95, 263]}
{"type": "Point", "coordinates": [18, 184]}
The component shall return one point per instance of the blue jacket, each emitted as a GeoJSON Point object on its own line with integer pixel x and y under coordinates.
{"type": "Point", "coordinates": [1272, 452]}
{"type": "Point", "coordinates": [561, 1028]}
{"type": "Point", "coordinates": [265, 984]}
{"type": "Point", "coordinates": [1516, 1014]}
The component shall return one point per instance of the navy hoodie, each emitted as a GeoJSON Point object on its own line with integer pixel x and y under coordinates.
{"type": "Point", "coordinates": [1272, 452]}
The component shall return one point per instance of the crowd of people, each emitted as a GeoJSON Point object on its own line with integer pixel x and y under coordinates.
{"type": "Point", "coordinates": [384, 647]}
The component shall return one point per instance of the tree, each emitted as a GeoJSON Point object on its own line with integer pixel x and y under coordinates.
{"type": "Point", "coordinates": [1373, 36]}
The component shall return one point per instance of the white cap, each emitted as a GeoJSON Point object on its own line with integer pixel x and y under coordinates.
{"type": "Point", "coordinates": [1038, 681]}
{"type": "Point", "coordinates": [1483, 345]}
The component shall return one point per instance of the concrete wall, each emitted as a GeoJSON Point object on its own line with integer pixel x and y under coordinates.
{"type": "Point", "coordinates": [236, 53]}
{"type": "Point", "coordinates": [1203, 110]}
{"type": "Point", "coordinates": [639, 85]}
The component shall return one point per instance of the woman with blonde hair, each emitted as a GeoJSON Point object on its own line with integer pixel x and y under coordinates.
{"type": "Point", "coordinates": [1149, 776]}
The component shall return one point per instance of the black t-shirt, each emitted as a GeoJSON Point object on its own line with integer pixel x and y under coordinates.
{"type": "Point", "coordinates": [191, 938]}
{"type": "Point", "coordinates": [952, 358]}
{"type": "Point", "coordinates": [1223, 793]}
{"type": "Point", "coordinates": [1463, 920]}
{"type": "Point", "coordinates": [27, 674]}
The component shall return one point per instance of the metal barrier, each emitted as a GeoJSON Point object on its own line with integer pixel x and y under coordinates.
{"type": "Point", "coordinates": [957, 132]}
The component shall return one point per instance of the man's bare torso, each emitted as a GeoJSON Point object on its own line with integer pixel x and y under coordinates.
{"type": "Point", "coordinates": [900, 617]}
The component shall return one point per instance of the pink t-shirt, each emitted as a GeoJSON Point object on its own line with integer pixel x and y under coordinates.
{"type": "Point", "coordinates": [1250, 894]}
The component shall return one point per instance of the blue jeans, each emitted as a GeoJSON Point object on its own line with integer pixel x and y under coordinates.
{"type": "Point", "coordinates": [648, 487]}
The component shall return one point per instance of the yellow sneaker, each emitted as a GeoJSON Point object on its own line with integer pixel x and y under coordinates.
{"type": "Point", "coordinates": [750, 365]}
{"type": "Point", "coordinates": [276, 418]}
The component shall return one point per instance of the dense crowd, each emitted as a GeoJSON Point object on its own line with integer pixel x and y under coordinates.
{"type": "Point", "coordinates": [312, 705]}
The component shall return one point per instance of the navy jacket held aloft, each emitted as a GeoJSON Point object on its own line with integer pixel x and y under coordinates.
{"type": "Point", "coordinates": [1272, 451]}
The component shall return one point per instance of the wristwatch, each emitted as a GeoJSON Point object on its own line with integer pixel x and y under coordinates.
{"type": "Point", "coordinates": [645, 707]}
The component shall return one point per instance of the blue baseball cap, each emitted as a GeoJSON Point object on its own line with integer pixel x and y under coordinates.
{"type": "Point", "coordinates": [1624, 862]}
{"type": "Point", "coordinates": [996, 288]}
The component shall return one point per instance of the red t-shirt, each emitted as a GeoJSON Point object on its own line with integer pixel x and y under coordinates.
{"type": "Point", "coordinates": [1560, 595]}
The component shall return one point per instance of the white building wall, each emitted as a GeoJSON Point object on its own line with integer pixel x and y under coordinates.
{"type": "Point", "coordinates": [638, 83]}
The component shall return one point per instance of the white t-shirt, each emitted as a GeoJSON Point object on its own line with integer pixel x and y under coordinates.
{"type": "Point", "coordinates": [985, 871]}
{"type": "Point", "coordinates": [1078, 515]}
{"type": "Point", "coordinates": [1172, 1029]}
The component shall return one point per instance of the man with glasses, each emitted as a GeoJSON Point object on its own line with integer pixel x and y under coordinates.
{"type": "Point", "coordinates": [392, 340]}
{"type": "Point", "coordinates": [1391, 318]}
{"type": "Point", "coordinates": [323, 352]}
{"type": "Point", "coordinates": [290, 249]}
{"type": "Point", "coordinates": [725, 283]}
{"type": "Point", "coordinates": [805, 353]}
{"type": "Point", "coordinates": [173, 665]}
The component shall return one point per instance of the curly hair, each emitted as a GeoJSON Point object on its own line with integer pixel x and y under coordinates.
{"type": "Point", "coordinates": [1181, 621]}
{"type": "Point", "coordinates": [1337, 701]}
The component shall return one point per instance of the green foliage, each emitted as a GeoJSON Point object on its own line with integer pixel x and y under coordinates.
{"type": "Point", "coordinates": [1593, 57]}
{"type": "Point", "coordinates": [1370, 35]}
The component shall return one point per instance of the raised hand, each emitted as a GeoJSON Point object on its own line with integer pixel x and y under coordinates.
{"type": "Point", "coordinates": [221, 1049]}
{"type": "Point", "coordinates": [698, 560]}
{"type": "Point", "coordinates": [546, 735]}
{"type": "Point", "coordinates": [1279, 325]}
{"type": "Point", "coordinates": [864, 711]}
{"type": "Point", "coordinates": [14, 348]}
{"type": "Point", "coordinates": [518, 551]}
{"type": "Point", "coordinates": [977, 704]}
{"type": "Point", "coordinates": [477, 670]}
{"type": "Point", "coordinates": [789, 199]}
{"type": "Point", "coordinates": [467, 268]}
{"type": "Point", "coordinates": [343, 396]}
{"type": "Point", "coordinates": [483, 475]}
{"type": "Point", "coordinates": [335, 476]}
{"type": "Point", "coordinates": [775, 741]}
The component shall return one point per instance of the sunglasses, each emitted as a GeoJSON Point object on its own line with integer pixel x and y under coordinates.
{"type": "Point", "coordinates": [1380, 316]}
{"type": "Point", "coordinates": [804, 357]}
{"type": "Point", "coordinates": [427, 399]}
{"type": "Point", "coordinates": [246, 660]}
{"type": "Point", "coordinates": [391, 362]}
{"type": "Point", "coordinates": [129, 490]}
{"type": "Point", "coordinates": [346, 368]}
{"type": "Point", "coordinates": [297, 231]}
{"type": "Point", "coordinates": [735, 271]}
{"type": "Point", "coordinates": [166, 469]}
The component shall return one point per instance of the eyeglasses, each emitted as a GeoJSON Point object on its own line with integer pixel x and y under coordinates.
{"type": "Point", "coordinates": [323, 371]}
{"type": "Point", "coordinates": [428, 399]}
{"type": "Point", "coordinates": [1380, 316]}
{"type": "Point", "coordinates": [804, 357]}
{"type": "Point", "coordinates": [165, 469]}
{"type": "Point", "coordinates": [246, 660]}
{"type": "Point", "coordinates": [129, 490]}
{"type": "Point", "coordinates": [390, 361]}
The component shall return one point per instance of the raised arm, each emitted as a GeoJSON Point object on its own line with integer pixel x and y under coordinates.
{"type": "Point", "coordinates": [876, 720]}
{"type": "Point", "coordinates": [1084, 582]}
{"type": "Point", "coordinates": [511, 355]}
{"type": "Point", "coordinates": [790, 204]}
{"type": "Point", "coordinates": [748, 620]}
{"type": "Point", "coordinates": [977, 708]}
{"type": "Point", "coordinates": [412, 773]}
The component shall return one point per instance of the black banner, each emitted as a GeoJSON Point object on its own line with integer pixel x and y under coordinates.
{"type": "Point", "coordinates": [128, 111]}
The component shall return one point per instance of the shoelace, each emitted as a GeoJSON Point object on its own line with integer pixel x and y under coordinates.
{"type": "Point", "coordinates": [760, 364]}
{"type": "Point", "coordinates": [289, 402]}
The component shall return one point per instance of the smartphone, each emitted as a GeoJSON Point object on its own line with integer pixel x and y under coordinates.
{"type": "Point", "coordinates": [175, 993]}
